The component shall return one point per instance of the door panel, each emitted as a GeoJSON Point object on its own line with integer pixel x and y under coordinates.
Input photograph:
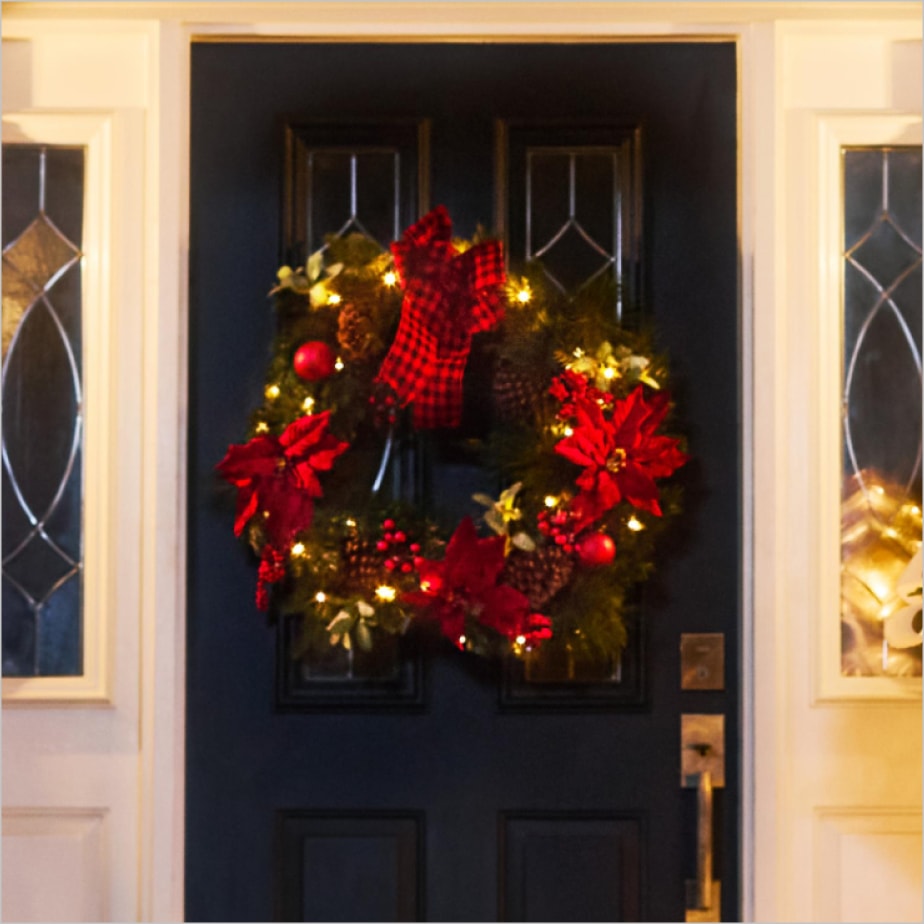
{"type": "Point", "coordinates": [566, 867]}
{"type": "Point", "coordinates": [374, 857]}
{"type": "Point", "coordinates": [493, 795]}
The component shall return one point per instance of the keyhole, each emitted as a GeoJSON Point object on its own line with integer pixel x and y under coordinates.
{"type": "Point", "coordinates": [701, 749]}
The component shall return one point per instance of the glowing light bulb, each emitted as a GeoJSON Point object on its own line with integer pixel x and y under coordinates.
{"type": "Point", "coordinates": [635, 524]}
{"type": "Point", "coordinates": [461, 639]}
{"type": "Point", "coordinates": [524, 295]}
{"type": "Point", "coordinates": [262, 427]}
{"type": "Point", "coordinates": [271, 391]}
{"type": "Point", "coordinates": [915, 510]}
{"type": "Point", "coordinates": [350, 522]}
{"type": "Point", "coordinates": [390, 278]}
{"type": "Point", "coordinates": [298, 548]}
{"type": "Point", "coordinates": [609, 373]}
{"type": "Point", "coordinates": [551, 500]}
{"type": "Point", "coordinates": [338, 365]}
{"type": "Point", "coordinates": [334, 299]}
{"type": "Point", "coordinates": [320, 596]}
{"type": "Point", "coordinates": [386, 592]}
{"type": "Point", "coordinates": [521, 639]}
{"type": "Point", "coordinates": [308, 405]}
{"type": "Point", "coordinates": [569, 431]}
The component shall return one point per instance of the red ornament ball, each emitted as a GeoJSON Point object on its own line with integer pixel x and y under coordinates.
{"type": "Point", "coordinates": [431, 582]}
{"type": "Point", "coordinates": [595, 550]}
{"type": "Point", "coordinates": [314, 361]}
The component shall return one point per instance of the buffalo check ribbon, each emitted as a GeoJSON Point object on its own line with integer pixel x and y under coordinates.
{"type": "Point", "coordinates": [448, 297]}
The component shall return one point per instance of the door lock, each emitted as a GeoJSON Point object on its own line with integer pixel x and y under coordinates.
{"type": "Point", "coordinates": [702, 661]}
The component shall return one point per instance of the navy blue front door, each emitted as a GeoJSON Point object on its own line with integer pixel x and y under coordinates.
{"type": "Point", "coordinates": [457, 792]}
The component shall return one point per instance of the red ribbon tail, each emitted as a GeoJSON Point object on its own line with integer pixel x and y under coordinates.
{"type": "Point", "coordinates": [439, 399]}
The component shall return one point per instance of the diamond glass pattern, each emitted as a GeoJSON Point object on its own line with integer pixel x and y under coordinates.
{"type": "Point", "coordinates": [573, 214]}
{"type": "Point", "coordinates": [881, 412]}
{"type": "Point", "coordinates": [354, 192]}
{"type": "Point", "coordinates": [40, 254]}
{"type": "Point", "coordinates": [18, 294]}
{"type": "Point", "coordinates": [42, 410]}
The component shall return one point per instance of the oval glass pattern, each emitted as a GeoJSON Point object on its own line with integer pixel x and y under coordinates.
{"type": "Point", "coordinates": [881, 413]}
{"type": "Point", "coordinates": [42, 410]}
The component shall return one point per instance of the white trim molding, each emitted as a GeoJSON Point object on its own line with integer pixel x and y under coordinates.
{"type": "Point", "coordinates": [110, 475]}
{"type": "Point", "coordinates": [818, 741]}
{"type": "Point", "coordinates": [66, 843]}
{"type": "Point", "coordinates": [869, 861]}
{"type": "Point", "coordinates": [827, 133]}
{"type": "Point", "coordinates": [78, 743]}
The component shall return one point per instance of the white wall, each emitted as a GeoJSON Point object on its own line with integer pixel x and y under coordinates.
{"type": "Point", "coordinates": [93, 781]}
{"type": "Point", "coordinates": [837, 760]}
{"type": "Point", "coordinates": [92, 772]}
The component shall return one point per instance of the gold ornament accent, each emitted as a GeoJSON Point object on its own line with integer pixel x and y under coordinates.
{"type": "Point", "coordinates": [617, 460]}
{"type": "Point", "coordinates": [880, 534]}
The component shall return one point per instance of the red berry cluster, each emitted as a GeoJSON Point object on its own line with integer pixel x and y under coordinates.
{"type": "Point", "coordinates": [403, 555]}
{"type": "Point", "coordinates": [385, 405]}
{"type": "Point", "coordinates": [558, 525]}
{"type": "Point", "coordinates": [272, 570]}
{"type": "Point", "coordinates": [571, 387]}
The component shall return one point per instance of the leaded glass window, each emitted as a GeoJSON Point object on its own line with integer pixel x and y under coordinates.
{"type": "Point", "coordinates": [881, 411]}
{"type": "Point", "coordinates": [574, 214]}
{"type": "Point", "coordinates": [43, 188]}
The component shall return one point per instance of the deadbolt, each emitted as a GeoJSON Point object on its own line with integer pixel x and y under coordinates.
{"type": "Point", "coordinates": [702, 661]}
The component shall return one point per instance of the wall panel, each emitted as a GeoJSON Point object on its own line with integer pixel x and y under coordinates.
{"type": "Point", "coordinates": [60, 846]}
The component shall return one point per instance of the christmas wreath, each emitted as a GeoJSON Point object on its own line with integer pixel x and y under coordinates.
{"type": "Point", "coordinates": [368, 373]}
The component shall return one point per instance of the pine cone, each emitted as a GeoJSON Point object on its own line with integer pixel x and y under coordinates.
{"type": "Point", "coordinates": [516, 393]}
{"type": "Point", "coordinates": [354, 333]}
{"type": "Point", "coordinates": [362, 565]}
{"type": "Point", "coordinates": [540, 574]}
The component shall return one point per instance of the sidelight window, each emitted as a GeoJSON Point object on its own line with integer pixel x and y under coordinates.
{"type": "Point", "coordinates": [42, 410]}
{"type": "Point", "coordinates": [881, 412]}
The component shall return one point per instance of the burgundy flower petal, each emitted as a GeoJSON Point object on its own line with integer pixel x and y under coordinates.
{"type": "Point", "coordinates": [246, 507]}
{"type": "Point", "coordinates": [640, 489]}
{"type": "Point", "coordinates": [304, 433]}
{"type": "Point", "coordinates": [505, 610]}
{"type": "Point", "coordinates": [255, 459]}
{"type": "Point", "coordinates": [472, 564]}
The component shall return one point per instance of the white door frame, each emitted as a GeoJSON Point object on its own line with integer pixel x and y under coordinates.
{"type": "Point", "coordinates": [769, 38]}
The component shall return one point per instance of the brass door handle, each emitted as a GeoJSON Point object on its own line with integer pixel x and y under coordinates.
{"type": "Point", "coordinates": [699, 898]}
{"type": "Point", "coordinates": [703, 769]}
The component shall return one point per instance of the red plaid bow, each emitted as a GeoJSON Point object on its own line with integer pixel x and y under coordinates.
{"type": "Point", "coordinates": [448, 296]}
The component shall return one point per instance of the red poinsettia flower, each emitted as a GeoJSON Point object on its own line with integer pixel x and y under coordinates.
{"type": "Point", "coordinates": [465, 583]}
{"type": "Point", "coordinates": [621, 454]}
{"type": "Point", "coordinates": [277, 476]}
